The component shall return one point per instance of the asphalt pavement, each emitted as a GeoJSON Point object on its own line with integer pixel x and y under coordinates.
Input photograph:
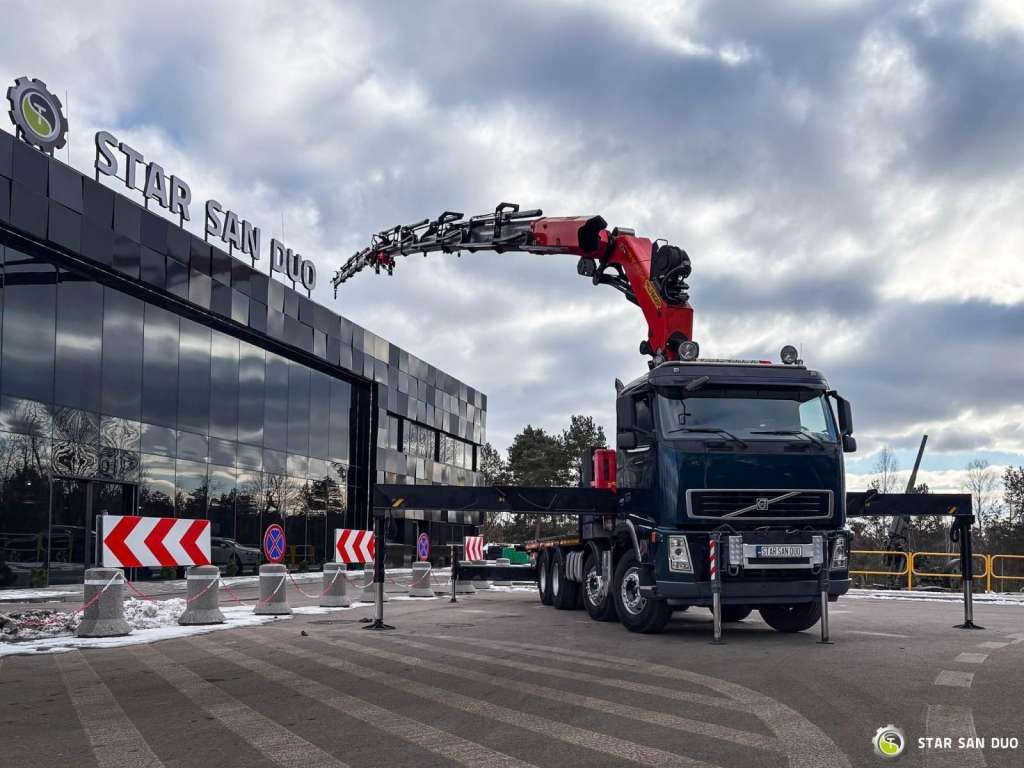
{"type": "Point", "coordinates": [499, 680]}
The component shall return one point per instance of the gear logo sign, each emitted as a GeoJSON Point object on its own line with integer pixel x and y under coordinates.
{"type": "Point", "coordinates": [889, 742]}
{"type": "Point", "coordinates": [38, 114]}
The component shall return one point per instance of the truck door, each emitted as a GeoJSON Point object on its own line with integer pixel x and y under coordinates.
{"type": "Point", "coordinates": [637, 454]}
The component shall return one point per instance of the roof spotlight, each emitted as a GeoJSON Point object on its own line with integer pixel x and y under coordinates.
{"type": "Point", "coordinates": [789, 355]}
{"type": "Point", "coordinates": [688, 350]}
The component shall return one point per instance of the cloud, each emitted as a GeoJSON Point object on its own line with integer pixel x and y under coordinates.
{"type": "Point", "coordinates": [845, 176]}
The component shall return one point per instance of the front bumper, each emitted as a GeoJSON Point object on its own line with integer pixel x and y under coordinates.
{"type": "Point", "coordinates": [747, 592]}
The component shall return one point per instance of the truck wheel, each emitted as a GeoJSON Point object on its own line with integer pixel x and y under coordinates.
{"type": "Point", "coordinates": [636, 612]}
{"type": "Point", "coordinates": [791, 617]}
{"type": "Point", "coordinates": [599, 608]}
{"type": "Point", "coordinates": [544, 577]}
{"type": "Point", "coordinates": [735, 612]}
{"type": "Point", "coordinates": [564, 593]}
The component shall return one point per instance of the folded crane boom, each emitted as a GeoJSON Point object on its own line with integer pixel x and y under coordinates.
{"type": "Point", "coordinates": [650, 275]}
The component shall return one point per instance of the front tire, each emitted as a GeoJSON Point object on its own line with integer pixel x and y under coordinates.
{"type": "Point", "coordinates": [564, 593]}
{"type": "Point", "coordinates": [791, 617]}
{"type": "Point", "coordinates": [544, 577]}
{"type": "Point", "coordinates": [636, 612]}
{"type": "Point", "coordinates": [599, 608]}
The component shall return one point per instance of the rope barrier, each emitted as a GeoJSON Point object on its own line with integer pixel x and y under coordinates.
{"type": "Point", "coordinates": [325, 589]}
{"type": "Point", "coordinates": [99, 594]}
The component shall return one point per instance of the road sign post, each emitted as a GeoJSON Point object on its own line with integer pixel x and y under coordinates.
{"type": "Point", "coordinates": [378, 572]}
{"type": "Point", "coordinates": [274, 543]}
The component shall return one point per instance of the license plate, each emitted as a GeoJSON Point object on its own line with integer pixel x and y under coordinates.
{"type": "Point", "coordinates": [779, 550]}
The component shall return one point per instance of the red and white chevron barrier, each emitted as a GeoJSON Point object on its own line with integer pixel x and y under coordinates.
{"type": "Point", "coordinates": [353, 546]}
{"type": "Point", "coordinates": [152, 542]}
{"type": "Point", "coordinates": [473, 548]}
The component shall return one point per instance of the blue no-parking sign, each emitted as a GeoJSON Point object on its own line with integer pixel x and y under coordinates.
{"type": "Point", "coordinates": [273, 543]}
{"type": "Point", "coordinates": [423, 546]}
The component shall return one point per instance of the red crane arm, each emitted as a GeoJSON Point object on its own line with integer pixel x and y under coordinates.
{"type": "Point", "coordinates": [651, 275]}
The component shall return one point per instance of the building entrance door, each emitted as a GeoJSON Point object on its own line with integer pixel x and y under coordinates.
{"type": "Point", "coordinates": [76, 505]}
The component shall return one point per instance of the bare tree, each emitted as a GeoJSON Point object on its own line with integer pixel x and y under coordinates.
{"type": "Point", "coordinates": [981, 482]}
{"type": "Point", "coordinates": [886, 469]}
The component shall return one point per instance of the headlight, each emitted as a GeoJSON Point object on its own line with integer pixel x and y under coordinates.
{"type": "Point", "coordinates": [689, 350]}
{"type": "Point", "coordinates": [840, 557]}
{"type": "Point", "coordinates": [679, 555]}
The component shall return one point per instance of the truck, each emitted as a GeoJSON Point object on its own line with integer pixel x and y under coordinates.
{"type": "Point", "coordinates": [740, 458]}
{"type": "Point", "coordinates": [726, 484]}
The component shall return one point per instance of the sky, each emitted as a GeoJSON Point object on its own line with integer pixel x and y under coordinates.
{"type": "Point", "coordinates": [845, 176]}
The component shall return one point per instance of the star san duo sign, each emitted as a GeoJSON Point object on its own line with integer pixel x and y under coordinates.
{"type": "Point", "coordinates": [39, 118]}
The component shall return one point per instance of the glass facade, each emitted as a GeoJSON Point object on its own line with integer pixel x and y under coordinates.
{"type": "Point", "coordinates": [145, 371]}
{"type": "Point", "coordinates": [111, 404]}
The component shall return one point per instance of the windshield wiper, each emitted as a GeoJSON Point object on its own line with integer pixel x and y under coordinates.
{"type": "Point", "coordinates": [714, 430]}
{"type": "Point", "coordinates": [795, 432]}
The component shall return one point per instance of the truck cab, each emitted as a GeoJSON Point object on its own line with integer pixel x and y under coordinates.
{"type": "Point", "coordinates": [743, 457]}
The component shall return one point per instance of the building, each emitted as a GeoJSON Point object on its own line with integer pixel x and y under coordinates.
{"type": "Point", "coordinates": [145, 371]}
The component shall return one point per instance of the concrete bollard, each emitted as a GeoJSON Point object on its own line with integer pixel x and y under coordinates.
{"type": "Point", "coordinates": [369, 594]}
{"type": "Point", "coordinates": [273, 591]}
{"type": "Point", "coordinates": [203, 607]}
{"type": "Point", "coordinates": [502, 561]}
{"type": "Point", "coordinates": [104, 616]}
{"type": "Point", "coordinates": [464, 587]}
{"type": "Point", "coordinates": [420, 584]}
{"type": "Point", "coordinates": [335, 594]}
{"type": "Point", "coordinates": [481, 584]}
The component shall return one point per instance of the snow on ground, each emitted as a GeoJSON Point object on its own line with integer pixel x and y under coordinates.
{"type": "Point", "coordinates": [25, 595]}
{"type": "Point", "coordinates": [988, 598]}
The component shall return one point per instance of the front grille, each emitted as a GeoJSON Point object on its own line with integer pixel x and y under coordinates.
{"type": "Point", "coordinates": [784, 504]}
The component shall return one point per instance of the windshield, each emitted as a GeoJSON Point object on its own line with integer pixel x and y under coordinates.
{"type": "Point", "coordinates": [745, 414]}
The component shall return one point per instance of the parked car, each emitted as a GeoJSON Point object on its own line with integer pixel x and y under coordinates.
{"type": "Point", "coordinates": [223, 552]}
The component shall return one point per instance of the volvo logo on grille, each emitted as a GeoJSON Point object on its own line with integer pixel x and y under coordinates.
{"type": "Point", "coordinates": [762, 504]}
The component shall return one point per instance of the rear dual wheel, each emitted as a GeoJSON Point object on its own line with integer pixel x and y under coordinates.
{"type": "Point", "coordinates": [597, 595]}
{"type": "Point", "coordinates": [544, 577]}
{"type": "Point", "coordinates": [565, 594]}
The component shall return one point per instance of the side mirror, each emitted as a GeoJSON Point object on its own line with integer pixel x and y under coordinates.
{"type": "Point", "coordinates": [625, 415]}
{"type": "Point", "coordinates": [845, 415]}
{"type": "Point", "coordinates": [626, 441]}
{"type": "Point", "coordinates": [849, 444]}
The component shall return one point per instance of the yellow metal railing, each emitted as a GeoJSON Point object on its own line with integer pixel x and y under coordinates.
{"type": "Point", "coordinates": [905, 571]}
{"type": "Point", "coordinates": [914, 566]}
{"type": "Point", "coordinates": [993, 559]}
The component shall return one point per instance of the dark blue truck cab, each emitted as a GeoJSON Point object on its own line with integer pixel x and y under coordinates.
{"type": "Point", "coordinates": [747, 454]}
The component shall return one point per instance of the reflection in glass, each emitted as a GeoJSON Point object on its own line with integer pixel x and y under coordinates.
{"type": "Point", "coordinates": [224, 387]}
{"type": "Point", "coordinates": [222, 501]}
{"type": "Point", "coordinates": [24, 509]}
{"type": "Point", "coordinates": [79, 335]}
{"type": "Point", "coordinates": [73, 425]}
{"type": "Point", "coordinates": [341, 404]}
{"type": "Point", "coordinates": [249, 501]}
{"type": "Point", "coordinates": [123, 434]}
{"type": "Point", "coordinates": [28, 417]}
{"type": "Point", "coordinates": [275, 418]}
{"type": "Point", "coordinates": [194, 377]}
{"type": "Point", "coordinates": [298, 408]}
{"type": "Point", "coordinates": [251, 395]}
{"type": "Point", "coordinates": [156, 496]}
{"type": "Point", "coordinates": [122, 355]}
{"type": "Point", "coordinates": [297, 493]}
{"type": "Point", "coordinates": [29, 326]}
{"type": "Point", "coordinates": [190, 489]}
{"type": "Point", "coordinates": [160, 368]}
{"type": "Point", "coordinates": [115, 464]}
{"type": "Point", "coordinates": [74, 460]}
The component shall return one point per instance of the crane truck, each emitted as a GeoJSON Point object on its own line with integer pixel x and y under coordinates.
{"type": "Point", "coordinates": [726, 485]}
